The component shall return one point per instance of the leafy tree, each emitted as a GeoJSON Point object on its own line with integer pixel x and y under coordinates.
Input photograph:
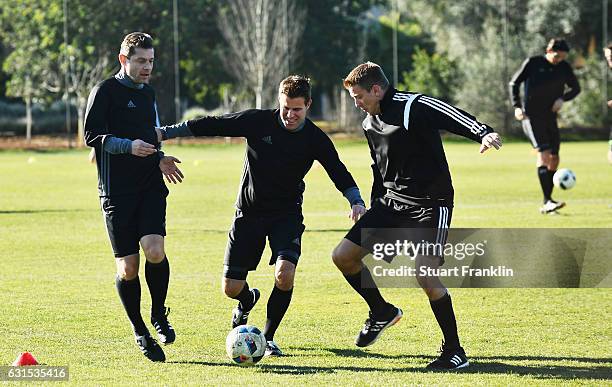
{"type": "Point", "coordinates": [434, 74]}
{"type": "Point", "coordinates": [203, 75]}
{"type": "Point", "coordinates": [332, 43]}
{"type": "Point", "coordinates": [29, 32]}
{"type": "Point", "coordinates": [410, 36]}
{"type": "Point", "coordinates": [588, 110]}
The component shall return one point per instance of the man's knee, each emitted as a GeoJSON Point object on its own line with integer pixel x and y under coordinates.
{"type": "Point", "coordinates": [435, 293]}
{"type": "Point", "coordinates": [342, 256]}
{"type": "Point", "coordinates": [127, 270]}
{"type": "Point", "coordinates": [544, 158]}
{"type": "Point", "coordinates": [231, 287]}
{"type": "Point", "coordinates": [553, 162]}
{"type": "Point", "coordinates": [432, 286]}
{"type": "Point", "coordinates": [153, 247]}
{"type": "Point", "coordinates": [284, 275]}
{"type": "Point", "coordinates": [154, 252]}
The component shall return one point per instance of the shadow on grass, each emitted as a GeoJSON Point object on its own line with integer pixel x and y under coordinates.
{"type": "Point", "coordinates": [601, 368]}
{"type": "Point", "coordinates": [43, 211]}
{"type": "Point", "coordinates": [539, 372]}
{"type": "Point", "coordinates": [346, 352]}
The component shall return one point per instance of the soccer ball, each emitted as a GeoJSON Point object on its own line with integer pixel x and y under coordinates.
{"type": "Point", "coordinates": [245, 345]}
{"type": "Point", "coordinates": [564, 178]}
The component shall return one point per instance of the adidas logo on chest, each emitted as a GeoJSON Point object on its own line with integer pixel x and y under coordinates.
{"type": "Point", "coordinates": [131, 104]}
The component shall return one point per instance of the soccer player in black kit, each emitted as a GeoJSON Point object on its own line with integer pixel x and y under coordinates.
{"type": "Point", "coordinates": [412, 189]}
{"type": "Point", "coordinates": [120, 123]}
{"type": "Point", "coordinates": [282, 145]}
{"type": "Point", "coordinates": [545, 78]}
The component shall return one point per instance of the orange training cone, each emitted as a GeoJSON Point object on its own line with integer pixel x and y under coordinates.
{"type": "Point", "coordinates": [25, 359]}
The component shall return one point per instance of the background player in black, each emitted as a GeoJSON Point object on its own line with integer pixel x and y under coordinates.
{"type": "Point", "coordinates": [412, 189]}
{"type": "Point", "coordinates": [282, 145]}
{"type": "Point", "coordinates": [545, 78]}
{"type": "Point", "coordinates": [120, 125]}
{"type": "Point", "coordinates": [608, 55]}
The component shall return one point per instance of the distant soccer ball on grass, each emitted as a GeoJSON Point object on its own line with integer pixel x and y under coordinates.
{"type": "Point", "coordinates": [245, 345]}
{"type": "Point", "coordinates": [564, 178]}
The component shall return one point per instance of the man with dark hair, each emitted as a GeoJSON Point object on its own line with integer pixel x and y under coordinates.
{"type": "Point", "coordinates": [412, 192]}
{"type": "Point", "coordinates": [608, 56]}
{"type": "Point", "coordinates": [545, 78]}
{"type": "Point", "coordinates": [282, 145]}
{"type": "Point", "coordinates": [120, 123]}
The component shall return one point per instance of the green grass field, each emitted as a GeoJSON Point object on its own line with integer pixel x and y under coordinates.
{"type": "Point", "coordinates": [58, 299]}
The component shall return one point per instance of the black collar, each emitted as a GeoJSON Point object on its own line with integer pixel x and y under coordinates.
{"type": "Point", "coordinates": [386, 101]}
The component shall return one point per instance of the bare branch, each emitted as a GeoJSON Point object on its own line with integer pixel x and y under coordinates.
{"type": "Point", "coordinates": [260, 45]}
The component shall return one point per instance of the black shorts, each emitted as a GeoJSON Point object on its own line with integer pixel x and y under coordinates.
{"type": "Point", "coordinates": [543, 132]}
{"type": "Point", "coordinates": [383, 225]}
{"type": "Point", "coordinates": [247, 240]}
{"type": "Point", "coordinates": [130, 217]}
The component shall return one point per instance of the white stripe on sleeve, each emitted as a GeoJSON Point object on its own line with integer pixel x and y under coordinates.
{"type": "Point", "coordinates": [407, 109]}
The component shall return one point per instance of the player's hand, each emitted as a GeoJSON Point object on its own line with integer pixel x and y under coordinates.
{"type": "Point", "coordinates": [518, 114]}
{"type": "Point", "coordinates": [159, 135]}
{"type": "Point", "coordinates": [557, 105]}
{"type": "Point", "coordinates": [490, 140]}
{"type": "Point", "coordinates": [142, 149]}
{"type": "Point", "coordinates": [168, 167]}
{"type": "Point", "coordinates": [357, 211]}
{"type": "Point", "coordinates": [610, 104]}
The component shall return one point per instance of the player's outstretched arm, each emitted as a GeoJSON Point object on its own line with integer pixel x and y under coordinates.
{"type": "Point", "coordinates": [327, 155]}
{"type": "Point", "coordinates": [170, 170]}
{"type": "Point", "coordinates": [172, 131]}
{"type": "Point", "coordinates": [491, 140]}
{"type": "Point", "coordinates": [240, 124]}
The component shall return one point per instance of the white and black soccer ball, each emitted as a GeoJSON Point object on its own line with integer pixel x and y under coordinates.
{"type": "Point", "coordinates": [245, 345]}
{"type": "Point", "coordinates": [564, 178]}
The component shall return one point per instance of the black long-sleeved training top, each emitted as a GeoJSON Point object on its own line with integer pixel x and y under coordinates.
{"type": "Point", "coordinates": [276, 160]}
{"type": "Point", "coordinates": [410, 166]}
{"type": "Point", "coordinates": [116, 110]}
{"type": "Point", "coordinates": [544, 84]}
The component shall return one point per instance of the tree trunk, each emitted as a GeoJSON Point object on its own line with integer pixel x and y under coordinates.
{"type": "Point", "coordinates": [81, 105]}
{"type": "Point", "coordinates": [28, 101]}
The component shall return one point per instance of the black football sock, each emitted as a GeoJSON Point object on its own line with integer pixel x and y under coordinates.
{"type": "Point", "coordinates": [278, 303]}
{"type": "Point", "coordinates": [545, 182]}
{"type": "Point", "coordinates": [158, 276]}
{"type": "Point", "coordinates": [550, 180]}
{"type": "Point", "coordinates": [245, 297]}
{"type": "Point", "coordinates": [443, 310]}
{"type": "Point", "coordinates": [369, 292]}
{"type": "Point", "coordinates": [129, 293]}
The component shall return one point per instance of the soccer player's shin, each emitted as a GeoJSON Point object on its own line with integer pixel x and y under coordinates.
{"type": "Point", "coordinates": [550, 179]}
{"type": "Point", "coordinates": [129, 293]}
{"type": "Point", "coordinates": [545, 182]}
{"type": "Point", "coordinates": [278, 303]}
{"type": "Point", "coordinates": [158, 276]}
{"type": "Point", "coordinates": [369, 292]}
{"type": "Point", "coordinates": [245, 297]}
{"type": "Point", "coordinates": [443, 310]}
